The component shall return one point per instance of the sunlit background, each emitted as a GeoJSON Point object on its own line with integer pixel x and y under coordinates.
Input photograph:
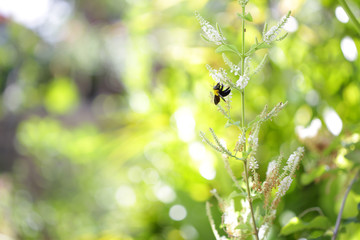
{"type": "Point", "coordinates": [101, 103]}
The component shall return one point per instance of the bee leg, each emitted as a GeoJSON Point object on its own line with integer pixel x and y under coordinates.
{"type": "Point", "coordinates": [223, 98]}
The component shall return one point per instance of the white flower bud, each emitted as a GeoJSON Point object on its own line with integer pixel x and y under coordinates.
{"type": "Point", "coordinates": [242, 82]}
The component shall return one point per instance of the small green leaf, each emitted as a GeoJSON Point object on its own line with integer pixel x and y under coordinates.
{"type": "Point", "coordinates": [247, 17]}
{"type": "Point", "coordinates": [219, 29]}
{"type": "Point", "coordinates": [282, 37]}
{"type": "Point", "coordinates": [227, 48]}
{"type": "Point", "coordinates": [235, 194]}
{"type": "Point", "coordinates": [354, 156]}
{"type": "Point", "coordinates": [204, 38]}
{"type": "Point", "coordinates": [258, 46]}
{"type": "Point", "coordinates": [265, 29]}
{"type": "Point", "coordinates": [296, 225]}
{"type": "Point", "coordinates": [307, 178]}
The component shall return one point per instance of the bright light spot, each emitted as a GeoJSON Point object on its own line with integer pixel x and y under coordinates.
{"type": "Point", "coordinates": [341, 15]}
{"type": "Point", "coordinates": [207, 170]}
{"type": "Point", "coordinates": [59, 12]}
{"type": "Point", "coordinates": [312, 98]}
{"type": "Point", "coordinates": [177, 212]}
{"type": "Point", "coordinates": [348, 48]}
{"type": "Point", "coordinates": [5, 237]}
{"type": "Point", "coordinates": [222, 142]}
{"type": "Point", "coordinates": [285, 217]}
{"type": "Point", "coordinates": [199, 153]}
{"type": "Point", "coordinates": [125, 196]}
{"type": "Point", "coordinates": [185, 123]}
{"type": "Point", "coordinates": [188, 232]}
{"type": "Point", "coordinates": [277, 55]}
{"type": "Point", "coordinates": [303, 115]}
{"type": "Point", "coordinates": [310, 131]}
{"type": "Point", "coordinates": [332, 121]}
{"type": "Point", "coordinates": [29, 13]}
{"type": "Point", "coordinates": [151, 176]}
{"type": "Point", "coordinates": [13, 97]}
{"type": "Point", "coordinates": [355, 137]}
{"type": "Point", "coordinates": [165, 193]}
{"type": "Point", "coordinates": [139, 102]}
{"type": "Point", "coordinates": [135, 173]}
{"type": "Point", "coordinates": [291, 25]}
{"type": "Point", "coordinates": [341, 161]}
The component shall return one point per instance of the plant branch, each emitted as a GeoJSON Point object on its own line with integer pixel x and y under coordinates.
{"type": "Point", "coordinates": [243, 124]}
{"type": "Point", "coordinates": [345, 6]}
{"type": "Point", "coordinates": [313, 209]}
{"type": "Point", "coordinates": [338, 220]}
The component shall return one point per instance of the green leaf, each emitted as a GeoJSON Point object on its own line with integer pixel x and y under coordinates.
{"type": "Point", "coordinates": [282, 37]}
{"type": "Point", "coordinates": [354, 156]}
{"type": "Point", "coordinates": [258, 46]}
{"type": "Point", "coordinates": [204, 38]}
{"type": "Point", "coordinates": [219, 29]}
{"type": "Point", "coordinates": [353, 219]}
{"type": "Point", "coordinates": [235, 194]}
{"type": "Point", "coordinates": [247, 17]}
{"type": "Point", "coordinates": [296, 225]}
{"type": "Point", "coordinates": [227, 48]}
{"type": "Point", "coordinates": [228, 124]}
{"type": "Point", "coordinates": [307, 178]}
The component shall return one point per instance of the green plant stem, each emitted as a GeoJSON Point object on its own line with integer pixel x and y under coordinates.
{"type": "Point", "coordinates": [345, 6]}
{"type": "Point", "coordinates": [242, 125]}
{"type": "Point", "coordinates": [338, 220]}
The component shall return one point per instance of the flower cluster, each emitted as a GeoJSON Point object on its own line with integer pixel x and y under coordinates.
{"type": "Point", "coordinates": [230, 219]}
{"type": "Point", "coordinates": [242, 82]}
{"type": "Point", "coordinates": [271, 35]}
{"type": "Point", "coordinates": [235, 69]}
{"type": "Point", "coordinates": [219, 75]}
{"type": "Point", "coordinates": [293, 162]}
{"type": "Point", "coordinates": [211, 34]}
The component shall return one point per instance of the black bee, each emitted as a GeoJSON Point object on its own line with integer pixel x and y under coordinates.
{"type": "Point", "coordinates": [219, 92]}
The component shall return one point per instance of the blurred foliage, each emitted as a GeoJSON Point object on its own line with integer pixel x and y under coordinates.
{"type": "Point", "coordinates": [99, 116]}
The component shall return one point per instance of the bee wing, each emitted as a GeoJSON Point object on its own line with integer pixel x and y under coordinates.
{"type": "Point", "coordinates": [216, 99]}
{"type": "Point", "coordinates": [226, 92]}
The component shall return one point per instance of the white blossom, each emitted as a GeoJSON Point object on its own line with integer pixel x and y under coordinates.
{"type": "Point", "coordinates": [273, 33]}
{"type": "Point", "coordinates": [231, 219]}
{"type": "Point", "coordinates": [294, 160]}
{"type": "Point", "coordinates": [253, 164]}
{"type": "Point", "coordinates": [263, 230]}
{"type": "Point", "coordinates": [219, 76]}
{"type": "Point", "coordinates": [284, 186]}
{"type": "Point", "coordinates": [254, 140]}
{"type": "Point", "coordinates": [271, 167]}
{"type": "Point", "coordinates": [242, 82]}
{"type": "Point", "coordinates": [233, 67]}
{"type": "Point", "coordinates": [245, 211]}
{"type": "Point", "coordinates": [211, 33]}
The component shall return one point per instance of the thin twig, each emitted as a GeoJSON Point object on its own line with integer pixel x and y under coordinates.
{"type": "Point", "coordinates": [313, 209]}
{"type": "Point", "coordinates": [338, 220]}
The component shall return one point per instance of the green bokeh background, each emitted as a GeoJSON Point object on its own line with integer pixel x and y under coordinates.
{"type": "Point", "coordinates": [99, 119]}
